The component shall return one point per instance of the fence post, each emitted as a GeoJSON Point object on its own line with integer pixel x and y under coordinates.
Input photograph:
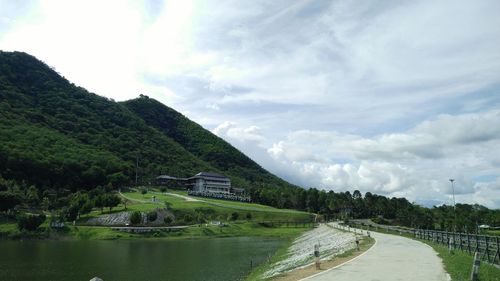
{"type": "Point", "coordinates": [474, 276]}
{"type": "Point", "coordinates": [316, 255]}
{"type": "Point", "coordinates": [450, 250]}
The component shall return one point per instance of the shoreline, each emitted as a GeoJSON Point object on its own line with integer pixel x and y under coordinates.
{"type": "Point", "coordinates": [310, 270]}
{"type": "Point", "coordinates": [242, 229]}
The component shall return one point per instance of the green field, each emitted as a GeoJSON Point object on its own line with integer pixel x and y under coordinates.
{"type": "Point", "coordinates": [212, 209]}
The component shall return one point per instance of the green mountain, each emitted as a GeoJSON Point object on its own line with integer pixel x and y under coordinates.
{"type": "Point", "coordinates": [56, 135]}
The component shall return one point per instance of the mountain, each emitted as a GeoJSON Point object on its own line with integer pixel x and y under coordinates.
{"type": "Point", "coordinates": [54, 134]}
{"type": "Point", "coordinates": [200, 142]}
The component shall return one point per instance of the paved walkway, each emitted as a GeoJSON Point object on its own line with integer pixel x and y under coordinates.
{"type": "Point", "coordinates": [391, 258]}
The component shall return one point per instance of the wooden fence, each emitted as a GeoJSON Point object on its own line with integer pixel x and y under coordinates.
{"type": "Point", "coordinates": [487, 246]}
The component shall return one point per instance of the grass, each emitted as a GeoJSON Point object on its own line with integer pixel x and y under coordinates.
{"type": "Point", "coordinates": [459, 265]}
{"type": "Point", "coordinates": [492, 232]}
{"type": "Point", "coordinates": [192, 232]}
{"type": "Point", "coordinates": [213, 209]}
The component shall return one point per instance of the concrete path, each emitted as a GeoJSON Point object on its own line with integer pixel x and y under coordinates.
{"type": "Point", "coordinates": [391, 258]}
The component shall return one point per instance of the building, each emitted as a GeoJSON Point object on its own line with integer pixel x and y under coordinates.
{"type": "Point", "coordinates": [209, 182]}
{"type": "Point", "coordinates": [171, 182]}
{"type": "Point", "coordinates": [206, 184]}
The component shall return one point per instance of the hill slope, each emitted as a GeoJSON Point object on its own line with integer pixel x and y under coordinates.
{"type": "Point", "coordinates": [200, 142]}
{"type": "Point", "coordinates": [54, 134]}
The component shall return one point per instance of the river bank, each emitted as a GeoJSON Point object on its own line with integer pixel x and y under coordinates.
{"type": "Point", "coordinates": [234, 229]}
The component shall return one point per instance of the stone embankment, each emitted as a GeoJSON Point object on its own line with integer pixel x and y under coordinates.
{"type": "Point", "coordinates": [123, 218]}
{"type": "Point", "coordinates": [301, 254]}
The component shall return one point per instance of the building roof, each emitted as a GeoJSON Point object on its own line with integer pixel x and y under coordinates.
{"type": "Point", "coordinates": [212, 175]}
{"type": "Point", "coordinates": [166, 177]}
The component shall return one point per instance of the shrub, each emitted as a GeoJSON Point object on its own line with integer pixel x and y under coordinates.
{"type": "Point", "coordinates": [167, 220]}
{"type": "Point", "coordinates": [234, 216]}
{"type": "Point", "coordinates": [249, 216]}
{"type": "Point", "coordinates": [188, 218]}
{"type": "Point", "coordinates": [163, 189]}
{"type": "Point", "coordinates": [30, 222]}
{"type": "Point", "coordinates": [135, 217]}
{"type": "Point", "coordinates": [152, 216]}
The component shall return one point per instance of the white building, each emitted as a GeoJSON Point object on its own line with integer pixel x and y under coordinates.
{"type": "Point", "coordinates": [209, 182]}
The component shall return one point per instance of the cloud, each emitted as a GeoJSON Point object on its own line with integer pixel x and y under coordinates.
{"type": "Point", "coordinates": [392, 97]}
{"type": "Point", "coordinates": [416, 164]}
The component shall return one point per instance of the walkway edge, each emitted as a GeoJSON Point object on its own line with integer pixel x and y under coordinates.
{"type": "Point", "coordinates": [337, 266]}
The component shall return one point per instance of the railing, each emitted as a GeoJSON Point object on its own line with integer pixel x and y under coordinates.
{"type": "Point", "coordinates": [224, 196]}
{"type": "Point", "coordinates": [487, 246]}
{"type": "Point", "coordinates": [309, 224]}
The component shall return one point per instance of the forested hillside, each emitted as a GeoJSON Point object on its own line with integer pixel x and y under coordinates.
{"type": "Point", "coordinates": [57, 136]}
{"type": "Point", "coordinates": [201, 143]}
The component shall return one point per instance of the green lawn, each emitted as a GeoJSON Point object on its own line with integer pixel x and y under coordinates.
{"type": "Point", "coordinates": [459, 265]}
{"type": "Point", "coordinates": [214, 209]}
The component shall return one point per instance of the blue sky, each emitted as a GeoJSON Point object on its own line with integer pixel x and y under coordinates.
{"type": "Point", "coordinates": [391, 97]}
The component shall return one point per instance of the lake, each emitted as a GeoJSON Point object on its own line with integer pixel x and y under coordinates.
{"type": "Point", "coordinates": [153, 259]}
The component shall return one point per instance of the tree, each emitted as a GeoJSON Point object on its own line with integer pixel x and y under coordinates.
{"type": "Point", "coordinates": [32, 197]}
{"type": "Point", "coordinates": [99, 202]}
{"type": "Point", "coordinates": [356, 194]}
{"type": "Point", "coordinates": [30, 222]}
{"type": "Point", "coordinates": [249, 216]}
{"type": "Point", "coordinates": [111, 200]}
{"type": "Point", "coordinates": [125, 202]}
{"type": "Point", "coordinates": [8, 200]}
{"type": "Point", "coordinates": [152, 216]}
{"type": "Point", "coordinates": [135, 217]}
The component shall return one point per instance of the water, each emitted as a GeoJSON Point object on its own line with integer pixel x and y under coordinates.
{"type": "Point", "coordinates": [207, 259]}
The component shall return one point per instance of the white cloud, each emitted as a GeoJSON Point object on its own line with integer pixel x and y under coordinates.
{"type": "Point", "coordinates": [231, 130]}
{"type": "Point", "coordinates": [393, 97]}
{"type": "Point", "coordinates": [416, 164]}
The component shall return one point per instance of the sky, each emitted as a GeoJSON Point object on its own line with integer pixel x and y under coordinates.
{"type": "Point", "coordinates": [389, 97]}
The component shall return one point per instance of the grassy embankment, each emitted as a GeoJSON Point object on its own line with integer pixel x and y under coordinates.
{"type": "Point", "coordinates": [458, 264]}
{"type": "Point", "coordinates": [247, 224]}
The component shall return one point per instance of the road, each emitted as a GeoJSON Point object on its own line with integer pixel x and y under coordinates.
{"type": "Point", "coordinates": [391, 258]}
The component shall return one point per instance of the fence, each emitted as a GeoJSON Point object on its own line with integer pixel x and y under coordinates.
{"type": "Point", "coordinates": [309, 224]}
{"type": "Point", "coordinates": [487, 246]}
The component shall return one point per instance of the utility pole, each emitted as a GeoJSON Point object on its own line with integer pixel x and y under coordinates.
{"type": "Point", "coordinates": [454, 205]}
{"type": "Point", "coordinates": [136, 168]}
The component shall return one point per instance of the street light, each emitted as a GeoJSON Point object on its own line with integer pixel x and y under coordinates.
{"type": "Point", "coordinates": [454, 207]}
{"type": "Point", "coordinates": [453, 190]}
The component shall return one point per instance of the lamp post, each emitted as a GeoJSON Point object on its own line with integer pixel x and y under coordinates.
{"type": "Point", "coordinates": [454, 207]}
